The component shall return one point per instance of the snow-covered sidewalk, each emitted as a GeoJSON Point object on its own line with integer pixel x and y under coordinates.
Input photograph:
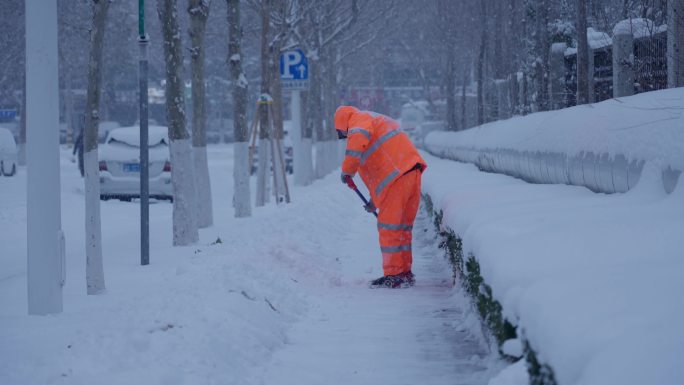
{"type": "Point", "coordinates": [281, 299]}
{"type": "Point", "coordinates": [423, 335]}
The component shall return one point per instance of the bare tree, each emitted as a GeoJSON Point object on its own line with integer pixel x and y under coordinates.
{"type": "Point", "coordinates": [199, 12]}
{"type": "Point", "coordinates": [241, 199]}
{"type": "Point", "coordinates": [481, 119]}
{"type": "Point", "coordinates": [264, 105]}
{"type": "Point", "coordinates": [582, 54]}
{"type": "Point", "coordinates": [184, 194]}
{"type": "Point", "coordinates": [542, 52]}
{"type": "Point", "coordinates": [94, 267]}
{"type": "Point", "coordinates": [326, 23]}
{"type": "Point", "coordinates": [447, 17]}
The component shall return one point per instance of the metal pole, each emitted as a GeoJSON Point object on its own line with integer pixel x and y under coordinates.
{"type": "Point", "coordinates": [45, 240]}
{"type": "Point", "coordinates": [144, 159]}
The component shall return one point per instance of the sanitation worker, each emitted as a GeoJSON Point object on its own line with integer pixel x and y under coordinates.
{"type": "Point", "coordinates": [391, 168]}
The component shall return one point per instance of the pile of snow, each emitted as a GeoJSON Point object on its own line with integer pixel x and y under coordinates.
{"type": "Point", "coordinates": [593, 281]}
{"type": "Point", "coordinates": [645, 127]}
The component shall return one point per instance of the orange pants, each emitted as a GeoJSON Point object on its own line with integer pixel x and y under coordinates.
{"type": "Point", "coordinates": [395, 223]}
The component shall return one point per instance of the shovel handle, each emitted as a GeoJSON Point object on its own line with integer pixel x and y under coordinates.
{"type": "Point", "coordinates": [352, 185]}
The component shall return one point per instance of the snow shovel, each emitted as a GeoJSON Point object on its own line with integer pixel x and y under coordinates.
{"type": "Point", "coordinates": [352, 185]}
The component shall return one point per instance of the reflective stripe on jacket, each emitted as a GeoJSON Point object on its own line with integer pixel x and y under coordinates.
{"type": "Point", "coordinates": [379, 151]}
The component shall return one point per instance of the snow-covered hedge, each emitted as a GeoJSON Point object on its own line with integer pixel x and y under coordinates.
{"type": "Point", "coordinates": [591, 282]}
{"type": "Point", "coordinates": [602, 146]}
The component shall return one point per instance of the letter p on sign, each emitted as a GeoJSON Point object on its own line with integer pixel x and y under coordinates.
{"type": "Point", "coordinates": [293, 65]}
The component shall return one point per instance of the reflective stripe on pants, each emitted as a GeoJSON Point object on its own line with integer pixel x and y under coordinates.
{"type": "Point", "coordinates": [395, 221]}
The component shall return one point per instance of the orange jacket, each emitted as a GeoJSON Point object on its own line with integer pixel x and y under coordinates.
{"type": "Point", "coordinates": [376, 148]}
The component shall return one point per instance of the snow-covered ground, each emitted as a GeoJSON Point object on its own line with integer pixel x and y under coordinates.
{"type": "Point", "coordinates": [281, 300]}
{"type": "Point", "coordinates": [593, 281]}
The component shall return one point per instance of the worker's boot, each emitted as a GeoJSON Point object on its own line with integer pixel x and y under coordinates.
{"type": "Point", "coordinates": [408, 278]}
{"type": "Point", "coordinates": [394, 281]}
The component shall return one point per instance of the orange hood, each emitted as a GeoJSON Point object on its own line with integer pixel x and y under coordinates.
{"type": "Point", "coordinates": [342, 116]}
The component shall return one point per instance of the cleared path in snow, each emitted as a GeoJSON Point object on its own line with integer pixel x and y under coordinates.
{"type": "Point", "coordinates": [355, 335]}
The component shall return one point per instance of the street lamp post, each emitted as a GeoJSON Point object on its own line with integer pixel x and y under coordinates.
{"type": "Point", "coordinates": [45, 240]}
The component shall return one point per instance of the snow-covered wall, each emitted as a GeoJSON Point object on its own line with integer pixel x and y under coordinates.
{"type": "Point", "coordinates": [601, 146]}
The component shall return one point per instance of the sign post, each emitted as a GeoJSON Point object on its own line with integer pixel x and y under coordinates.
{"type": "Point", "coordinates": [294, 76]}
{"type": "Point", "coordinates": [144, 152]}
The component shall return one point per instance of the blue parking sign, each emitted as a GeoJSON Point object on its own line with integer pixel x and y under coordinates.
{"type": "Point", "coordinates": [294, 69]}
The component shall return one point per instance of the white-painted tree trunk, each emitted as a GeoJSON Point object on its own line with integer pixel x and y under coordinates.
{"type": "Point", "coordinates": [262, 173]}
{"type": "Point", "coordinates": [184, 200]}
{"type": "Point", "coordinates": [321, 160]}
{"type": "Point", "coordinates": [182, 166]}
{"type": "Point", "coordinates": [303, 160]}
{"type": "Point", "coordinates": [95, 281]}
{"type": "Point", "coordinates": [241, 194]}
{"type": "Point", "coordinates": [199, 12]}
{"type": "Point", "coordinates": [21, 148]}
{"type": "Point", "coordinates": [94, 265]}
{"type": "Point", "coordinates": [205, 217]}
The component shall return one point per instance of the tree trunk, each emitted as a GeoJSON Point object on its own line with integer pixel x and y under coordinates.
{"type": "Point", "coordinates": [182, 179]}
{"type": "Point", "coordinates": [452, 120]}
{"type": "Point", "coordinates": [95, 281]}
{"type": "Point", "coordinates": [582, 54]}
{"type": "Point", "coordinates": [199, 12]}
{"type": "Point", "coordinates": [316, 118]}
{"type": "Point", "coordinates": [241, 168]}
{"type": "Point", "coordinates": [480, 66]}
{"type": "Point", "coordinates": [464, 103]}
{"type": "Point", "coordinates": [675, 43]}
{"type": "Point", "coordinates": [542, 69]}
{"type": "Point", "coordinates": [22, 125]}
{"type": "Point", "coordinates": [263, 107]}
{"type": "Point", "coordinates": [304, 159]}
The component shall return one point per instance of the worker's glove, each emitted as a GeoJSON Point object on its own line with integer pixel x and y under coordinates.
{"type": "Point", "coordinates": [347, 179]}
{"type": "Point", "coordinates": [370, 207]}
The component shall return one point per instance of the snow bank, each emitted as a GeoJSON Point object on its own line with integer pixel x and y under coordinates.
{"type": "Point", "coordinates": [636, 129]}
{"type": "Point", "coordinates": [593, 281]}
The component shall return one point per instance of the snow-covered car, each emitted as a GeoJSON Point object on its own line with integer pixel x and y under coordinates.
{"type": "Point", "coordinates": [104, 128]}
{"type": "Point", "coordinates": [119, 159]}
{"type": "Point", "coordinates": [8, 153]}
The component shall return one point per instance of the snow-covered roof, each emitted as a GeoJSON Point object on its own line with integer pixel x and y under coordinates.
{"type": "Point", "coordinates": [638, 27]}
{"type": "Point", "coordinates": [598, 39]}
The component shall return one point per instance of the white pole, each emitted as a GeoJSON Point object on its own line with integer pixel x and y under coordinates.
{"type": "Point", "coordinates": [45, 237]}
{"type": "Point", "coordinates": [296, 135]}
